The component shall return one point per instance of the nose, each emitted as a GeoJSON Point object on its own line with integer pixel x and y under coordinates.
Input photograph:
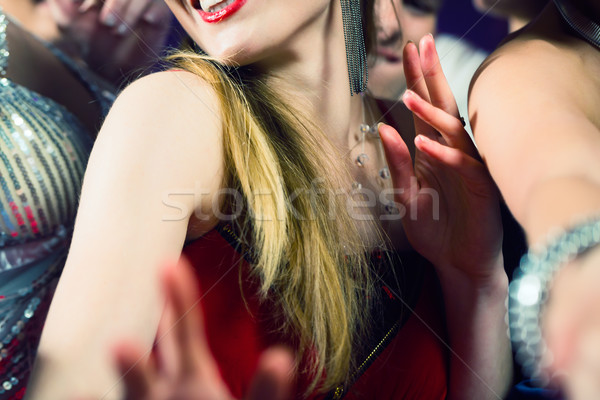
{"type": "Point", "coordinates": [388, 24]}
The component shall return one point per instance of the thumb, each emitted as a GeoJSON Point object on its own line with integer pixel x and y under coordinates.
{"type": "Point", "coordinates": [399, 162]}
{"type": "Point", "coordinates": [274, 378]}
{"type": "Point", "coordinates": [135, 369]}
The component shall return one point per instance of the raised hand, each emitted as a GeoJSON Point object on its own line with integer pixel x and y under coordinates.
{"type": "Point", "coordinates": [114, 36]}
{"type": "Point", "coordinates": [185, 368]}
{"type": "Point", "coordinates": [126, 15]}
{"type": "Point", "coordinates": [453, 219]}
{"type": "Point", "coordinates": [452, 205]}
{"type": "Point", "coordinates": [571, 327]}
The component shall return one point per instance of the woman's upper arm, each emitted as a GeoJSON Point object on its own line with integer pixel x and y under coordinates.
{"type": "Point", "coordinates": [159, 145]}
{"type": "Point", "coordinates": [529, 120]}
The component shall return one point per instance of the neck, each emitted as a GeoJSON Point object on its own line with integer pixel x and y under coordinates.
{"type": "Point", "coordinates": [314, 68]}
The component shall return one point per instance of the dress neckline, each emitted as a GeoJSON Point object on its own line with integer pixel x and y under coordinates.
{"type": "Point", "coordinates": [585, 27]}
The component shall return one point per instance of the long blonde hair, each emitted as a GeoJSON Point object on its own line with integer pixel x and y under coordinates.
{"type": "Point", "coordinates": [309, 255]}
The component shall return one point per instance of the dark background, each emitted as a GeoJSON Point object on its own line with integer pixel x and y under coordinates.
{"type": "Point", "coordinates": [459, 18]}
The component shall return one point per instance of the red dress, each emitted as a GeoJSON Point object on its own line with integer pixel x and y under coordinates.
{"type": "Point", "coordinates": [412, 362]}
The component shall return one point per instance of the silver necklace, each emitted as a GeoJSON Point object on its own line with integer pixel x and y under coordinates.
{"type": "Point", "coordinates": [366, 132]}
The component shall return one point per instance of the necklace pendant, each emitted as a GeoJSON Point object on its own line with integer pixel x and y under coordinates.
{"type": "Point", "coordinates": [373, 132]}
{"type": "Point", "coordinates": [362, 159]}
{"type": "Point", "coordinates": [364, 129]}
{"type": "Point", "coordinates": [384, 173]}
{"type": "Point", "coordinates": [391, 208]}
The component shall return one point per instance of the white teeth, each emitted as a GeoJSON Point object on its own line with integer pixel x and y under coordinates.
{"type": "Point", "coordinates": [215, 5]}
{"type": "Point", "coordinates": [206, 4]}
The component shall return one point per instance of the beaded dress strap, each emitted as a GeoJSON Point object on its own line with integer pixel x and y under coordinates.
{"type": "Point", "coordinates": [3, 46]}
{"type": "Point", "coordinates": [105, 98]}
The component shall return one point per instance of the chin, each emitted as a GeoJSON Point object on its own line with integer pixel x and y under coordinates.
{"type": "Point", "coordinates": [231, 54]}
{"type": "Point", "coordinates": [256, 32]}
{"type": "Point", "coordinates": [386, 84]}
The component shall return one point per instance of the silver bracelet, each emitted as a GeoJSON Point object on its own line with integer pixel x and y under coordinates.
{"type": "Point", "coordinates": [528, 293]}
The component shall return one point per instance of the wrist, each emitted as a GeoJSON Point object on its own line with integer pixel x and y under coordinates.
{"type": "Point", "coordinates": [529, 290]}
{"type": "Point", "coordinates": [490, 281]}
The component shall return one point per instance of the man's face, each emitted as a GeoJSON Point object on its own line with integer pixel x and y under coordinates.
{"type": "Point", "coordinates": [398, 21]}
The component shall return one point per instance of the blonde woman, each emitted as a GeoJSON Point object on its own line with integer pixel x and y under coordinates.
{"type": "Point", "coordinates": [51, 107]}
{"type": "Point", "coordinates": [258, 164]}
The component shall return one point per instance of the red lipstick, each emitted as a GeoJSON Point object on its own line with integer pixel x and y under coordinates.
{"type": "Point", "coordinates": [221, 14]}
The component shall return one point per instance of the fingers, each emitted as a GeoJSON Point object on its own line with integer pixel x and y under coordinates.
{"type": "Point", "coordinates": [157, 12]}
{"type": "Point", "coordinates": [399, 163]}
{"type": "Point", "coordinates": [136, 372]}
{"type": "Point", "coordinates": [112, 12]}
{"type": "Point", "coordinates": [274, 378]}
{"type": "Point", "coordinates": [134, 13]}
{"type": "Point", "coordinates": [460, 162]}
{"type": "Point", "coordinates": [124, 15]}
{"type": "Point", "coordinates": [413, 72]}
{"type": "Point", "coordinates": [167, 349]}
{"type": "Point", "coordinates": [188, 330]}
{"type": "Point", "coordinates": [562, 316]}
{"type": "Point", "coordinates": [448, 126]}
{"type": "Point", "coordinates": [416, 82]}
{"type": "Point", "coordinates": [87, 5]}
{"type": "Point", "coordinates": [439, 91]}
{"type": "Point", "coordinates": [582, 381]}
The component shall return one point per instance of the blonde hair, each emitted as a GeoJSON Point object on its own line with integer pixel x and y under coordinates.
{"type": "Point", "coordinates": [310, 257]}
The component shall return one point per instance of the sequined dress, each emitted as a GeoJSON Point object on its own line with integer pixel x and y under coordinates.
{"type": "Point", "coordinates": [43, 154]}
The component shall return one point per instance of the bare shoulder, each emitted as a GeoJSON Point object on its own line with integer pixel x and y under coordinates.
{"type": "Point", "coordinates": [533, 71]}
{"type": "Point", "coordinates": [520, 64]}
{"type": "Point", "coordinates": [163, 135]}
{"type": "Point", "coordinates": [170, 115]}
{"type": "Point", "coordinates": [172, 83]}
{"type": "Point", "coordinates": [174, 99]}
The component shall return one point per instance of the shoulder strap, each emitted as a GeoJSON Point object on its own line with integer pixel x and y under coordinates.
{"type": "Point", "coordinates": [587, 28]}
{"type": "Point", "coordinates": [3, 44]}
{"type": "Point", "coordinates": [105, 98]}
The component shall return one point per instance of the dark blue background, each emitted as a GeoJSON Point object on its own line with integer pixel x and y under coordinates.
{"type": "Point", "coordinates": [458, 17]}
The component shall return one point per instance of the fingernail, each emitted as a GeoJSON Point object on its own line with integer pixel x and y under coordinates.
{"type": "Point", "coordinates": [430, 34]}
{"type": "Point", "coordinates": [122, 29]}
{"type": "Point", "coordinates": [86, 5]}
{"type": "Point", "coordinates": [150, 18]}
{"type": "Point", "coordinates": [110, 20]}
{"type": "Point", "coordinates": [407, 93]}
{"type": "Point", "coordinates": [422, 139]}
{"type": "Point", "coordinates": [379, 125]}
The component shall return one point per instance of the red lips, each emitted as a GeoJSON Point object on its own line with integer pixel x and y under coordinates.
{"type": "Point", "coordinates": [221, 14]}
